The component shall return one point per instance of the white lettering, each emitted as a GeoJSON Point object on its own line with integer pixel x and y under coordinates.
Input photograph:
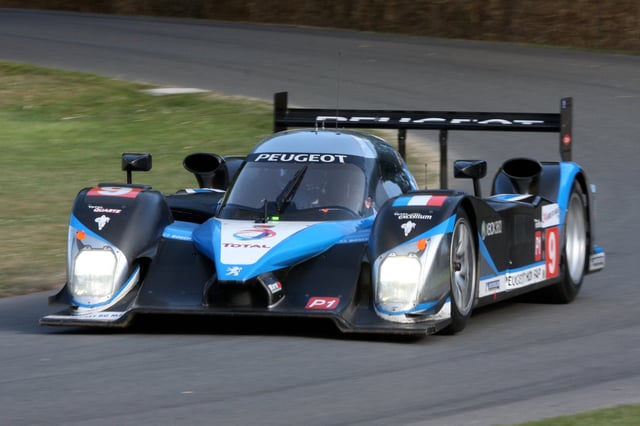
{"type": "Point", "coordinates": [528, 122]}
{"type": "Point", "coordinates": [550, 215]}
{"type": "Point", "coordinates": [495, 121]}
{"type": "Point", "coordinates": [303, 158]}
{"type": "Point", "coordinates": [429, 120]}
{"type": "Point", "coordinates": [359, 119]}
{"type": "Point", "coordinates": [491, 228]}
{"type": "Point", "coordinates": [330, 118]}
{"type": "Point", "coordinates": [245, 245]}
{"type": "Point", "coordinates": [406, 120]}
{"type": "Point", "coordinates": [526, 277]}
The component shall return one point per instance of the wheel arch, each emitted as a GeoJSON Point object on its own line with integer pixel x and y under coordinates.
{"type": "Point", "coordinates": [580, 179]}
{"type": "Point", "coordinates": [467, 205]}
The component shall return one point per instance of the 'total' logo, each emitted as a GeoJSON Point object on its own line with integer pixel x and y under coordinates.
{"type": "Point", "coordinates": [323, 303]}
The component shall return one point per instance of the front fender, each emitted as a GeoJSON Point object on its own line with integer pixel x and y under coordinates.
{"type": "Point", "coordinates": [409, 246]}
{"type": "Point", "coordinates": [118, 225]}
{"type": "Point", "coordinates": [412, 216]}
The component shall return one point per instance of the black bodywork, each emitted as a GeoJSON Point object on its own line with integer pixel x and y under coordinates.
{"type": "Point", "coordinates": [214, 251]}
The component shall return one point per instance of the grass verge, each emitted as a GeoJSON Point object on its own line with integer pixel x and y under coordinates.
{"type": "Point", "coordinates": [622, 415]}
{"type": "Point", "coordinates": [64, 131]}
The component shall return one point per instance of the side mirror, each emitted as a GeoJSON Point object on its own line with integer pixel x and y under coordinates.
{"type": "Point", "coordinates": [471, 169]}
{"type": "Point", "coordinates": [138, 162]}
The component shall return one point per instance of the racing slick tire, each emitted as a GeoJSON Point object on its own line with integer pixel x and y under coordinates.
{"type": "Point", "coordinates": [574, 252]}
{"type": "Point", "coordinates": [464, 272]}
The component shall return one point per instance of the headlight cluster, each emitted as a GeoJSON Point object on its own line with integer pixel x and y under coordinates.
{"type": "Point", "coordinates": [398, 279]}
{"type": "Point", "coordinates": [93, 273]}
{"type": "Point", "coordinates": [410, 278]}
{"type": "Point", "coordinates": [98, 272]}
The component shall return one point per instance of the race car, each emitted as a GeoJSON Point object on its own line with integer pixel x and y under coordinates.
{"type": "Point", "coordinates": [326, 221]}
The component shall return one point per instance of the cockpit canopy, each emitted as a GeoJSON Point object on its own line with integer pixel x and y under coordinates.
{"type": "Point", "coordinates": [316, 175]}
{"type": "Point", "coordinates": [300, 191]}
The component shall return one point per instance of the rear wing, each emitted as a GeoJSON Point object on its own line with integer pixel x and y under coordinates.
{"type": "Point", "coordinates": [443, 121]}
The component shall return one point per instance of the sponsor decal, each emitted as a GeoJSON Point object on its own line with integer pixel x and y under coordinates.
{"type": "Point", "coordinates": [102, 316]}
{"type": "Point", "coordinates": [421, 200]}
{"type": "Point", "coordinates": [245, 246]}
{"type": "Point", "coordinates": [526, 277]}
{"type": "Point", "coordinates": [552, 251]}
{"type": "Point", "coordinates": [96, 316]}
{"type": "Point", "coordinates": [596, 261]}
{"type": "Point", "coordinates": [102, 221]}
{"type": "Point", "coordinates": [176, 236]}
{"type": "Point", "coordinates": [537, 246]}
{"type": "Point", "coordinates": [301, 158]}
{"type": "Point", "coordinates": [234, 271]}
{"type": "Point", "coordinates": [243, 243]}
{"type": "Point", "coordinates": [101, 209]}
{"type": "Point", "coordinates": [407, 227]}
{"type": "Point", "coordinates": [323, 303]}
{"type": "Point", "coordinates": [275, 287]}
{"type": "Point", "coordinates": [114, 191]}
{"type": "Point", "coordinates": [513, 279]}
{"type": "Point", "coordinates": [412, 216]}
{"type": "Point", "coordinates": [488, 229]}
{"type": "Point", "coordinates": [428, 120]}
{"type": "Point", "coordinates": [179, 231]}
{"type": "Point", "coordinates": [255, 233]}
{"type": "Point", "coordinates": [550, 215]}
{"type": "Point", "coordinates": [493, 285]}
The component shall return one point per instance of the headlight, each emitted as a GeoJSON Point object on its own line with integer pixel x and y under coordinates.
{"type": "Point", "coordinates": [93, 273]}
{"type": "Point", "coordinates": [398, 280]}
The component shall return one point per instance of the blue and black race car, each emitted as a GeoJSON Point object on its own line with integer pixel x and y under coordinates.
{"type": "Point", "coordinates": [330, 223]}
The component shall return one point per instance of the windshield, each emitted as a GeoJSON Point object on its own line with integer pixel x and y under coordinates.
{"type": "Point", "coordinates": [294, 191]}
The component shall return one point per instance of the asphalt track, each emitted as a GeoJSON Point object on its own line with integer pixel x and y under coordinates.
{"type": "Point", "coordinates": [514, 362]}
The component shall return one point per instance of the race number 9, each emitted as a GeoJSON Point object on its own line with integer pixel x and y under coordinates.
{"type": "Point", "coordinates": [552, 251]}
{"type": "Point", "coordinates": [114, 191]}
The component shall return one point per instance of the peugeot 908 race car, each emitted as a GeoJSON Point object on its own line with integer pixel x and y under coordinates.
{"type": "Point", "coordinates": [329, 223]}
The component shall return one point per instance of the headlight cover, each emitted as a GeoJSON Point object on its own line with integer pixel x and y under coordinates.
{"type": "Point", "coordinates": [98, 272]}
{"type": "Point", "coordinates": [398, 281]}
{"type": "Point", "coordinates": [411, 279]}
{"type": "Point", "coordinates": [93, 274]}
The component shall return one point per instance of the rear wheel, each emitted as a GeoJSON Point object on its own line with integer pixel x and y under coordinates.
{"type": "Point", "coordinates": [575, 249]}
{"type": "Point", "coordinates": [463, 270]}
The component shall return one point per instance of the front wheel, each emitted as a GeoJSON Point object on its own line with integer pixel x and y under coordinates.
{"type": "Point", "coordinates": [463, 273]}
